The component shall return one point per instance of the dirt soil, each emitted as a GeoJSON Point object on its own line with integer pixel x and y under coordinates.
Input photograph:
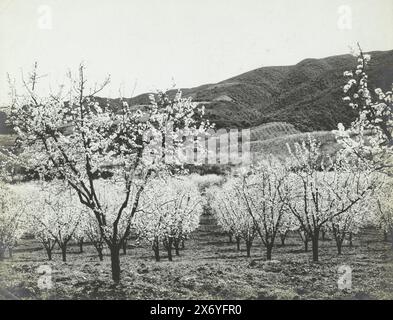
{"type": "Point", "coordinates": [208, 268]}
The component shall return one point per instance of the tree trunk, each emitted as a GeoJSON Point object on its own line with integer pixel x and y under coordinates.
{"type": "Point", "coordinates": [157, 253]}
{"type": "Point", "coordinates": [49, 253]}
{"type": "Point", "coordinates": [115, 262]}
{"type": "Point", "coordinates": [339, 240]}
{"type": "Point", "coordinates": [100, 255]}
{"type": "Point", "coordinates": [156, 249]}
{"type": "Point", "coordinates": [385, 236]}
{"type": "Point", "coordinates": [99, 247]}
{"type": "Point", "coordinates": [10, 252]}
{"type": "Point", "coordinates": [269, 249]}
{"type": "Point", "coordinates": [64, 252]}
{"type": "Point", "coordinates": [169, 249]}
{"type": "Point", "coordinates": [283, 236]}
{"type": "Point", "coordinates": [80, 245]}
{"type": "Point", "coordinates": [323, 235]}
{"type": "Point", "coordinates": [248, 247]}
{"type": "Point", "coordinates": [230, 238]}
{"type": "Point", "coordinates": [305, 240]}
{"type": "Point", "coordinates": [168, 242]}
{"type": "Point", "coordinates": [2, 251]}
{"type": "Point", "coordinates": [176, 244]}
{"type": "Point", "coordinates": [238, 243]}
{"type": "Point", "coordinates": [124, 247]}
{"type": "Point", "coordinates": [315, 243]}
{"type": "Point", "coordinates": [350, 239]}
{"type": "Point", "coordinates": [339, 246]}
{"type": "Point", "coordinates": [391, 236]}
{"type": "Point", "coordinates": [182, 244]}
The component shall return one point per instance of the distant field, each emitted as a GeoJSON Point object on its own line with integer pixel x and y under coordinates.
{"type": "Point", "coordinates": [272, 130]}
{"type": "Point", "coordinates": [267, 131]}
{"type": "Point", "coordinates": [273, 138]}
{"type": "Point", "coordinates": [278, 146]}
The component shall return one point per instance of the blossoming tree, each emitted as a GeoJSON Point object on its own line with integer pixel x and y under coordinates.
{"type": "Point", "coordinates": [55, 214]}
{"type": "Point", "coordinates": [347, 224]}
{"type": "Point", "coordinates": [169, 212]}
{"type": "Point", "coordinates": [370, 135]}
{"type": "Point", "coordinates": [231, 213]}
{"type": "Point", "coordinates": [266, 198]}
{"type": "Point", "coordinates": [383, 212]}
{"type": "Point", "coordinates": [323, 189]}
{"type": "Point", "coordinates": [70, 136]}
{"type": "Point", "coordinates": [92, 233]}
{"type": "Point", "coordinates": [255, 204]}
{"type": "Point", "coordinates": [288, 224]}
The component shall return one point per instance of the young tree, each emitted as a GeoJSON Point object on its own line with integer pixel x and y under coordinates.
{"type": "Point", "coordinates": [39, 230]}
{"type": "Point", "coordinates": [93, 234]}
{"type": "Point", "coordinates": [288, 224]}
{"type": "Point", "coordinates": [324, 230]}
{"type": "Point", "coordinates": [322, 189]}
{"type": "Point", "coordinates": [169, 212]}
{"type": "Point", "coordinates": [55, 214]}
{"type": "Point", "coordinates": [349, 223]}
{"type": "Point", "coordinates": [383, 212]}
{"type": "Point", "coordinates": [231, 214]}
{"type": "Point", "coordinates": [12, 212]}
{"type": "Point", "coordinates": [304, 236]}
{"type": "Point", "coordinates": [71, 136]}
{"type": "Point", "coordinates": [266, 193]}
{"type": "Point", "coordinates": [80, 234]}
{"type": "Point", "coordinates": [254, 203]}
{"type": "Point", "coordinates": [370, 136]}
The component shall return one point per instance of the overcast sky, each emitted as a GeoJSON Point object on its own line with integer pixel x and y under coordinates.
{"type": "Point", "coordinates": [153, 43]}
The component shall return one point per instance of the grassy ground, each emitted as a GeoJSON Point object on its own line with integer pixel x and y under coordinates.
{"type": "Point", "coordinates": [209, 268]}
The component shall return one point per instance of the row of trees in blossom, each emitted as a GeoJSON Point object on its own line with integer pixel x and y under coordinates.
{"type": "Point", "coordinates": [313, 193]}
{"type": "Point", "coordinates": [110, 162]}
{"type": "Point", "coordinates": [267, 202]}
{"type": "Point", "coordinates": [69, 136]}
{"type": "Point", "coordinates": [308, 194]}
{"type": "Point", "coordinates": [169, 211]}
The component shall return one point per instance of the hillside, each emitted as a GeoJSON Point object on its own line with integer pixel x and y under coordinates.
{"type": "Point", "coordinates": [307, 95]}
{"type": "Point", "coordinates": [274, 138]}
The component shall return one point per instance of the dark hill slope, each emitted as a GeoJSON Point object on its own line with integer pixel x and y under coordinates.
{"type": "Point", "coordinates": [307, 95]}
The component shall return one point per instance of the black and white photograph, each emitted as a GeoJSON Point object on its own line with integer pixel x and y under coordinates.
{"type": "Point", "coordinates": [210, 150]}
